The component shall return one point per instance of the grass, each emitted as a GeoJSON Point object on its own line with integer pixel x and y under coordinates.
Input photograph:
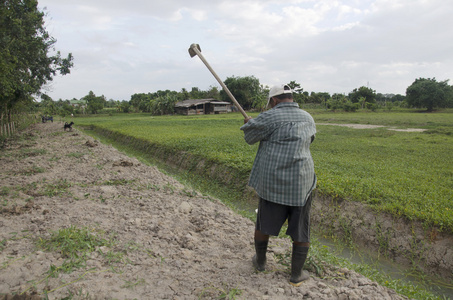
{"type": "Point", "coordinates": [220, 293]}
{"type": "Point", "coordinates": [75, 246]}
{"type": "Point", "coordinates": [75, 154]}
{"type": "Point", "coordinates": [57, 188]}
{"type": "Point", "coordinates": [29, 171]}
{"type": "Point", "coordinates": [31, 152]}
{"type": "Point", "coordinates": [73, 243]}
{"type": "Point", "coordinates": [405, 173]}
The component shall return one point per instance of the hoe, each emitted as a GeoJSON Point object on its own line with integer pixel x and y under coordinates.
{"type": "Point", "coordinates": [196, 50]}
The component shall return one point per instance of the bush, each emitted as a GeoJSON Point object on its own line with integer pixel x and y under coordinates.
{"type": "Point", "coordinates": [351, 107]}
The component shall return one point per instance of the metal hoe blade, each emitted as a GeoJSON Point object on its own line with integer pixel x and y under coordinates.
{"type": "Point", "coordinates": [192, 51]}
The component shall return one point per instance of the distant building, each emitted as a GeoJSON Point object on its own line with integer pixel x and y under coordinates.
{"type": "Point", "coordinates": [78, 103]}
{"type": "Point", "coordinates": [201, 106]}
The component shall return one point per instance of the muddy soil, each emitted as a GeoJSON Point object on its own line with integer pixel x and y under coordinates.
{"type": "Point", "coordinates": [164, 240]}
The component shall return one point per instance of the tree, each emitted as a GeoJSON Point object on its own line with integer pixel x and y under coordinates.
{"type": "Point", "coordinates": [298, 95]}
{"type": "Point", "coordinates": [398, 98]}
{"type": "Point", "coordinates": [48, 105]}
{"type": "Point", "coordinates": [26, 62]}
{"type": "Point", "coordinates": [245, 90]}
{"type": "Point", "coordinates": [213, 92]}
{"type": "Point", "coordinates": [140, 101]}
{"type": "Point", "coordinates": [295, 87]}
{"type": "Point", "coordinates": [362, 95]}
{"type": "Point", "coordinates": [164, 104]}
{"type": "Point", "coordinates": [429, 93]}
{"type": "Point", "coordinates": [184, 94]}
{"type": "Point", "coordinates": [124, 106]}
{"type": "Point", "coordinates": [94, 103]}
{"type": "Point", "coordinates": [195, 93]}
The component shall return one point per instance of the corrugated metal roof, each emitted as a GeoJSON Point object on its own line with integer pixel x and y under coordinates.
{"type": "Point", "coordinates": [195, 102]}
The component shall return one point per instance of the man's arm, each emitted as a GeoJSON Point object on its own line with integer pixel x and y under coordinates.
{"type": "Point", "coordinates": [255, 130]}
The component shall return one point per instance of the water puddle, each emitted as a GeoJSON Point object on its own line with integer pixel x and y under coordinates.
{"type": "Point", "coordinates": [390, 268]}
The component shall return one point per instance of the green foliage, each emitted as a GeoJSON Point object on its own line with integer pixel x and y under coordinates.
{"type": "Point", "coordinates": [363, 95]}
{"type": "Point", "coordinates": [30, 171]}
{"type": "Point", "coordinates": [75, 154]}
{"type": "Point", "coordinates": [163, 105]}
{"type": "Point", "coordinates": [405, 173]}
{"type": "Point", "coordinates": [298, 92]}
{"type": "Point", "coordinates": [95, 103]}
{"type": "Point", "coordinates": [336, 104]}
{"type": "Point", "coordinates": [57, 188]}
{"type": "Point", "coordinates": [220, 293]}
{"type": "Point", "coordinates": [348, 106]}
{"type": "Point", "coordinates": [158, 103]}
{"type": "Point", "coordinates": [128, 284]}
{"type": "Point", "coordinates": [430, 94]}
{"type": "Point", "coordinates": [124, 107]}
{"type": "Point", "coordinates": [247, 90]}
{"type": "Point", "coordinates": [74, 244]}
{"type": "Point", "coordinates": [25, 53]}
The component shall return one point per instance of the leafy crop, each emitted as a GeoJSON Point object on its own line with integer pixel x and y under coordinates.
{"type": "Point", "coordinates": [404, 173]}
{"type": "Point", "coordinates": [408, 174]}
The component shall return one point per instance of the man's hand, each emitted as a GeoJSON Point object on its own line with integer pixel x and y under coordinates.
{"type": "Point", "coordinates": [247, 119]}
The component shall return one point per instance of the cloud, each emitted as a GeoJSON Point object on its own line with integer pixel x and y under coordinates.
{"type": "Point", "coordinates": [121, 48]}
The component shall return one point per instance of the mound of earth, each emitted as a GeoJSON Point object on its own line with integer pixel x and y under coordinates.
{"type": "Point", "coordinates": [157, 239]}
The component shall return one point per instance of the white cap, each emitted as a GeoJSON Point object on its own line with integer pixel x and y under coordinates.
{"type": "Point", "coordinates": [278, 90]}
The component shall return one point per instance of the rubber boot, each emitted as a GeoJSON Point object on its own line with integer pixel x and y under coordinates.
{"type": "Point", "coordinates": [297, 262]}
{"type": "Point", "coordinates": [259, 259]}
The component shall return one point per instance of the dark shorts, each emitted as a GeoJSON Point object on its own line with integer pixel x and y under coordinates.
{"type": "Point", "coordinates": [271, 217]}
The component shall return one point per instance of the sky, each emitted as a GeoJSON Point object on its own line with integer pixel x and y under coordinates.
{"type": "Point", "coordinates": [140, 46]}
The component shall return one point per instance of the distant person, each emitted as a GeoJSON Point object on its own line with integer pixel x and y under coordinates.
{"type": "Point", "coordinates": [283, 176]}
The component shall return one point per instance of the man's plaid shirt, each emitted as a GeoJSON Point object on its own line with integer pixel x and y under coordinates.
{"type": "Point", "coordinates": [283, 170]}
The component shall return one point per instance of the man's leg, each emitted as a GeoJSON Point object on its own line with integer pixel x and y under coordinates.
{"type": "Point", "coordinates": [260, 236]}
{"type": "Point", "coordinates": [269, 220]}
{"type": "Point", "coordinates": [300, 229]}
{"type": "Point", "coordinates": [261, 241]}
{"type": "Point", "coordinates": [299, 255]}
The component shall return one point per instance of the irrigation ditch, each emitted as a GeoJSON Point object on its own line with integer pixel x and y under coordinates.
{"type": "Point", "coordinates": [414, 246]}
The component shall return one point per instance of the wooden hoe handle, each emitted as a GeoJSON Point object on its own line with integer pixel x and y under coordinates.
{"type": "Point", "coordinates": [196, 50]}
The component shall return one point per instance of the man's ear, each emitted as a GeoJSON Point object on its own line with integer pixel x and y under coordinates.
{"type": "Point", "coordinates": [272, 101]}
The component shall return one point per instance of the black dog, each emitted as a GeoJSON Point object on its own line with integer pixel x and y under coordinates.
{"type": "Point", "coordinates": [68, 126]}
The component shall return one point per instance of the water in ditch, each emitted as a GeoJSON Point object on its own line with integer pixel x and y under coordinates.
{"type": "Point", "coordinates": [396, 271]}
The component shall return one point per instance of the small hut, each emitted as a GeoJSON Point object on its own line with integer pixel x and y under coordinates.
{"type": "Point", "coordinates": [201, 106]}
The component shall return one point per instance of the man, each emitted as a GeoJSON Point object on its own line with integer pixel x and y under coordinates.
{"type": "Point", "coordinates": [283, 176]}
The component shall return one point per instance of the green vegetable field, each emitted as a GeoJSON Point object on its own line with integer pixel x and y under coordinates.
{"type": "Point", "coordinates": [405, 173]}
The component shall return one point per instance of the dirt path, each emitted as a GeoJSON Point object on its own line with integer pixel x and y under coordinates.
{"type": "Point", "coordinates": [160, 240]}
